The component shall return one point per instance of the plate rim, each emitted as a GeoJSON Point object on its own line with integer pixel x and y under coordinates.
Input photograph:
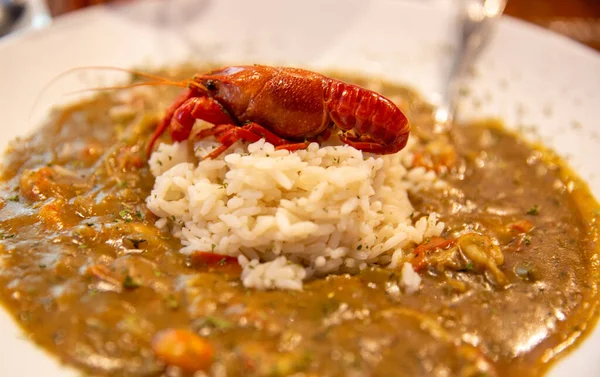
{"type": "Point", "coordinates": [20, 37]}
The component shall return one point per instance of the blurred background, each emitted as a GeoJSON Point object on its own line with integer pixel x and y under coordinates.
{"type": "Point", "coordinates": [577, 19]}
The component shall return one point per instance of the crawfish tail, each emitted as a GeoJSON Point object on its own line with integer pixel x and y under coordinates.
{"type": "Point", "coordinates": [369, 115]}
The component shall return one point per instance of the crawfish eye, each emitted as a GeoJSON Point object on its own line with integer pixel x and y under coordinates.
{"type": "Point", "coordinates": [211, 85]}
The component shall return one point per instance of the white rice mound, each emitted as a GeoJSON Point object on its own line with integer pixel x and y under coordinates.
{"type": "Point", "coordinates": [289, 216]}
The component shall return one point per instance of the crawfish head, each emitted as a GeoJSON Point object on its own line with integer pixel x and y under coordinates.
{"type": "Point", "coordinates": [234, 87]}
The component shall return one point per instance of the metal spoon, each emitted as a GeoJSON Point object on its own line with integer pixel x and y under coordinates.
{"type": "Point", "coordinates": [478, 18]}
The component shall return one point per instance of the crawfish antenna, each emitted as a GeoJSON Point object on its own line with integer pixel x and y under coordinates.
{"type": "Point", "coordinates": [128, 86]}
{"type": "Point", "coordinates": [155, 80]}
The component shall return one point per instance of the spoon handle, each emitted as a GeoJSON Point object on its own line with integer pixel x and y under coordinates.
{"type": "Point", "coordinates": [478, 18]}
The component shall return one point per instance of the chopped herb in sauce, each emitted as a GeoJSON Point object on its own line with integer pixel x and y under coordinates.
{"type": "Point", "coordinates": [25, 316]}
{"type": "Point", "coordinates": [172, 302]}
{"type": "Point", "coordinates": [214, 322]}
{"type": "Point", "coordinates": [130, 283]}
{"type": "Point", "coordinates": [126, 215]}
{"type": "Point", "coordinates": [534, 210]}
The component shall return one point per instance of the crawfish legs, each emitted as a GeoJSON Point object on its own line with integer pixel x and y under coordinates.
{"type": "Point", "coordinates": [367, 146]}
{"type": "Point", "coordinates": [228, 134]}
{"type": "Point", "coordinates": [182, 114]}
{"type": "Point", "coordinates": [189, 106]}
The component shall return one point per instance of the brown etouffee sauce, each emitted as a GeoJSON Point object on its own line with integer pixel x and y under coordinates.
{"type": "Point", "coordinates": [88, 276]}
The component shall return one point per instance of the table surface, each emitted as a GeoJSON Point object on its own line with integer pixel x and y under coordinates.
{"type": "Point", "coordinates": [577, 19]}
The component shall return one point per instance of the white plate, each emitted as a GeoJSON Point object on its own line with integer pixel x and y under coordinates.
{"type": "Point", "coordinates": [528, 77]}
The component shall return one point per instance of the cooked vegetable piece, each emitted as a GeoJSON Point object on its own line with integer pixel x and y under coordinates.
{"type": "Point", "coordinates": [183, 349]}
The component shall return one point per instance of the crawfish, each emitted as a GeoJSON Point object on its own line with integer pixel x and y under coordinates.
{"type": "Point", "coordinates": [289, 107]}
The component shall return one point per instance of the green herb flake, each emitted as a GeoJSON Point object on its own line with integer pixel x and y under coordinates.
{"type": "Point", "coordinates": [14, 198]}
{"type": "Point", "coordinates": [172, 302]}
{"type": "Point", "coordinates": [534, 210]}
{"type": "Point", "coordinates": [130, 283]}
{"type": "Point", "coordinates": [41, 265]}
{"type": "Point", "coordinates": [216, 322]}
{"type": "Point", "coordinates": [212, 247]}
{"type": "Point", "coordinates": [159, 162]}
{"type": "Point", "coordinates": [222, 262]}
{"type": "Point", "coordinates": [470, 266]}
{"type": "Point", "coordinates": [527, 240]}
{"type": "Point", "coordinates": [139, 215]}
{"type": "Point", "coordinates": [126, 215]}
{"type": "Point", "coordinates": [121, 184]}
